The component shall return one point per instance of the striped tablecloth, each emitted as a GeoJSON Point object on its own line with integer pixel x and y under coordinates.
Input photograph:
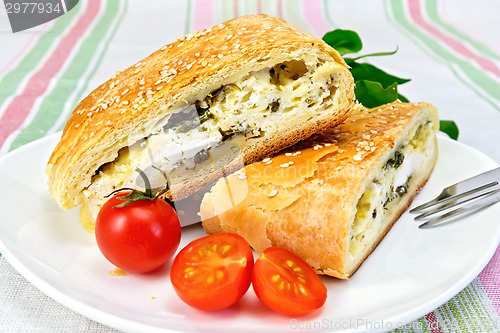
{"type": "Point", "coordinates": [450, 50]}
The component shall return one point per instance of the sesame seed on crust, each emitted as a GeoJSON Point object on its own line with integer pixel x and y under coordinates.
{"type": "Point", "coordinates": [273, 193]}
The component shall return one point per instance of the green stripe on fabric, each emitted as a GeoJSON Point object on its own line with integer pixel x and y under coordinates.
{"type": "Point", "coordinates": [326, 9]}
{"type": "Point", "coordinates": [54, 103]}
{"type": "Point", "coordinates": [446, 314]}
{"type": "Point", "coordinates": [476, 311]}
{"type": "Point", "coordinates": [292, 10]}
{"type": "Point", "coordinates": [475, 78]}
{"type": "Point", "coordinates": [462, 77]}
{"type": "Point", "coordinates": [119, 17]}
{"type": "Point", "coordinates": [468, 302]}
{"type": "Point", "coordinates": [424, 324]}
{"type": "Point", "coordinates": [435, 17]}
{"type": "Point", "coordinates": [223, 10]}
{"type": "Point", "coordinates": [269, 7]}
{"type": "Point", "coordinates": [187, 26]}
{"type": "Point", "coordinates": [457, 316]}
{"type": "Point", "coordinates": [246, 7]}
{"type": "Point", "coordinates": [10, 82]}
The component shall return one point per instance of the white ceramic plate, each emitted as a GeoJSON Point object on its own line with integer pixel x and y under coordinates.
{"type": "Point", "coordinates": [410, 273]}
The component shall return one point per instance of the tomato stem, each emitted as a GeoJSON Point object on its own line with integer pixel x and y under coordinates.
{"type": "Point", "coordinates": [136, 195]}
{"type": "Point", "coordinates": [145, 178]}
{"type": "Point", "coordinates": [119, 190]}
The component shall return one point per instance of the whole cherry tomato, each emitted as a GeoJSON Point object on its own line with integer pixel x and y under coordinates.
{"type": "Point", "coordinates": [139, 237]}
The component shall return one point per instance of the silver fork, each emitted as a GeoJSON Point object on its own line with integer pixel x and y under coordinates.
{"type": "Point", "coordinates": [460, 199]}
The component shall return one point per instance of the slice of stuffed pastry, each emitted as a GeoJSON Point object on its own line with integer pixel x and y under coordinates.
{"type": "Point", "coordinates": [331, 198]}
{"type": "Point", "coordinates": [243, 89]}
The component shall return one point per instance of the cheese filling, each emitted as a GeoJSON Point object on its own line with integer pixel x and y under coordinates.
{"type": "Point", "coordinates": [376, 207]}
{"type": "Point", "coordinates": [290, 92]}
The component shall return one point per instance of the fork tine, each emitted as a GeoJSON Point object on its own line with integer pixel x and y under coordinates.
{"type": "Point", "coordinates": [443, 207]}
{"type": "Point", "coordinates": [463, 188]}
{"type": "Point", "coordinates": [447, 197]}
{"type": "Point", "coordinates": [466, 209]}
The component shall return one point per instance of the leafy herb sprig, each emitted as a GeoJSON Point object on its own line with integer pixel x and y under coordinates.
{"type": "Point", "coordinates": [374, 86]}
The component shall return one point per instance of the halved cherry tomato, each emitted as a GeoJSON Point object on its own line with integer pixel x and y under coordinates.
{"type": "Point", "coordinates": [140, 237]}
{"type": "Point", "coordinates": [213, 272]}
{"type": "Point", "coordinates": [287, 284]}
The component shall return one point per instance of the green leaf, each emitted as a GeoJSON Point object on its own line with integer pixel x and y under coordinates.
{"type": "Point", "coordinates": [374, 87]}
{"type": "Point", "coordinates": [349, 61]}
{"type": "Point", "coordinates": [364, 71]}
{"type": "Point", "coordinates": [372, 94]}
{"type": "Point", "coordinates": [402, 98]}
{"type": "Point", "coordinates": [344, 41]}
{"type": "Point", "coordinates": [449, 127]}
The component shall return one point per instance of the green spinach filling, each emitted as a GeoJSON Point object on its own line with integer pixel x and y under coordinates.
{"type": "Point", "coordinates": [395, 161]}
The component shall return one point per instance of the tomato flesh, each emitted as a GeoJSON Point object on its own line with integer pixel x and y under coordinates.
{"type": "Point", "coordinates": [213, 272]}
{"type": "Point", "coordinates": [287, 284]}
{"type": "Point", "coordinates": [140, 237]}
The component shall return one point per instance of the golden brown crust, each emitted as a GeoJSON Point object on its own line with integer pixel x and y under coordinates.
{"type": "Point", "coordinates": [129, 106]}
{"type": "Point", "coordinates": [316, 225]}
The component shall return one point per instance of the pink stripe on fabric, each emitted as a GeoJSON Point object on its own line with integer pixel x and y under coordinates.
{"type": "Point", "coordinates": [484, 63]}
{"type": "Point", "coordinates": [280, 9]}
{"type": "Point", "coordinates": [235, 8]}
{"type": "Point", "coordinates": [433, 323]}
{"type": "Point", "coordinates": [259, 7]}
{"type": "Point", "coordinates": [203, 14]}
{"type": "Point", "coordinates": [20, 106]}
{"type": "Point", "coordinates": [490, 279]}
{"type": "Point", "coordinates": [314, 15]}
{"type": "Point", "coordinates": [25, 48]}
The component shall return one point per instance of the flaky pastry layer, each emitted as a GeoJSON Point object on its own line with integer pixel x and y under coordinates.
{"type": "Point", "coordinates": [142, 101]}
{"type": "Point", "coordinates": [332, 198]}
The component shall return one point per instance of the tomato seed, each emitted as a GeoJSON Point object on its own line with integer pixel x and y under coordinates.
{"type": "Point", "coordinates": [189, 274]}
{"type": "Point", "coordinates": [281, 285]}
{"type": "Point", "coordinates": [225, 248]}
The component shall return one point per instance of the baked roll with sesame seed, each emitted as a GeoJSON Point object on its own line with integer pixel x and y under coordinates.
{"type": "Point", "coordinates": [331, 198]}
{"type": "Point", "coordinates": [248, 87]}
